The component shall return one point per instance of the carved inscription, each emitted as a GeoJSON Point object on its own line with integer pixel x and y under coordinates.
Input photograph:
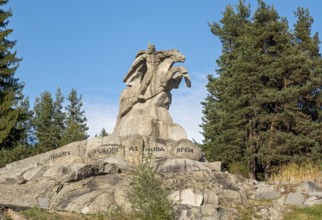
{"type": "Point", "coordinates": [154, 149]}
{"type": "Point", "coordinates": [133, 149]}
{"type": "Point", "coordinates": [58, 155]}
{"type": "Point", "coordinates": [106, 150]}
{"type": "Point", "coordinates": [184, 150]}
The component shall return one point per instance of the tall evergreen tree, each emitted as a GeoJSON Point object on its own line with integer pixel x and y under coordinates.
{"type": "Point", "coordinates": [103, 133]}
{"type": "Point", "coordinates": [224, 139]}
{"type": "Point", "coordinates": [59, 118]}
{"type": "Point", "coordinates": [24, 123]}
{"type": "Point", "coordinates": [262, 109]}
{"type": "Point", "coordinates": [76, 128]}
{"type": "Point", "coordinates": [43, 122]}
{"type": "Point", "coordinates": [10, 87]}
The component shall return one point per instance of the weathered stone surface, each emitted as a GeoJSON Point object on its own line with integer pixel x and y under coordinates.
{"type": "Point", "coordinates": [266, 192]}
{"type": "Point", "coordinates": [230, 196]}
{"type": "Point", "coordinates": [56, 172]}
{"type": "Point", "coordinates": [68, 154]}
{"type": "Point", "coordinates": [294, 199]}
{"type": "Point", "coordinates": [189, 197]}
{"type": "Point", "coordinates": [268, 195]}
{"type": "Point", "coordinates": [316, 194]}
{"type": "Point", "coordinates": [208, 210]}
{"type": "Point", "coordinates": [158, 147]}
{"type": "Point", "coordinates": [179, 165]}
{"type": "Point", "coordinates": [309, 186]}
{"type": "Point", "coordinates": [43, 203]}
{"type": "Point", "coordinates": [34, 173]}
{"type": "Point", "coordinates": [176, 132]}
{"type": "Point", "coordinates": [83, 171]}
{"type": "Point", "coordinates": [25, 195]}
{"type": "Point", "coordinates": [133, 149]}
{"type": "Point", "coordinates": [216, 166]}
{"type": "Point", "coordinates": [97, 201]}
{"type": "Point", "coordinates": [111, 139]}
{"type": "Point", "coordinates": [210, 197]}
{"type": "Point", "coordinates": [187, 149]}
{"type": "Point", "coordinates": [121, 198]}
{"type": "Point", "coordinates": [94, 142]}
{"type": "Point", "coordinates": [105, 151]}
{"type": "Point", "coordinates": [312, 201]}
{"type": "Point", "coordinates": [15, 216]}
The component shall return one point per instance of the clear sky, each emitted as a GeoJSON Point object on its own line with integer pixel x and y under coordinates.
{"type": "Point", "coordinates": [90, 45]}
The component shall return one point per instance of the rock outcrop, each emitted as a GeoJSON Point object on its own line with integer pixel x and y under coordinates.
{"type": "Point", "coordinates": [73, 178]}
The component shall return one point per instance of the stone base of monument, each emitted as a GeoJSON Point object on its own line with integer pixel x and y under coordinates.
{"type": "Point", "coordinates": [133, 148]}
{"type": "Point", "coordinates": [93, 176]}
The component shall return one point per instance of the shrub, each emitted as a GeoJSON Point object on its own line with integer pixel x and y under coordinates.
{"type": "Point", "coordinates": [148, 197]}
{"type": "Point", "coordinates": [239, 168]}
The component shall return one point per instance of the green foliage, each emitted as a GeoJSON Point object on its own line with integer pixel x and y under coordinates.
{"type": "Point", "coordinates": [14, 154]}
{"type": "Point", "coordinates": [43, 121]}
{"type": "Point", "coordinates": [76, 127]}
{"type": "Point", "coordinates": [41, 214]}
{"type": "Point", "coordinates": [103, 133]}
{"type": "Point", "coordinates": [54, 127]}
{"type": "Point", "coordinates": [59, 118]}
{"type": "Point", "coordinates": [298, 213]}
{"type": "Point", "coordinates": [38, 214]}
{"type": "Point", "coordinates": [148, 197]}
{"type": "Point", "coordinates": [12, 103]}
{"type": "Point", "coordinates": [238, 168]}
{"type": "Point", "coordinates": [264, 109]}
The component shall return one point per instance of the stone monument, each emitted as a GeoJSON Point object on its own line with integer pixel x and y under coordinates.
{"type": "Point", "coordinates": [144, 122]}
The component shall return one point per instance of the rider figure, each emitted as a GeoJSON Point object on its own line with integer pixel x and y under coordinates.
{"type": "Point", "coordinates": [151, 58]}
{"type": "Point", "coordinates": [151, 65]}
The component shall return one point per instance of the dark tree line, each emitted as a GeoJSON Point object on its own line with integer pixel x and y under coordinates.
{"type": "Point", "coordinates": [264, 108]}
{"type": "Point", "coordinates": [54, 127]}
{"type": "Point", "coordinates": [24, 132]}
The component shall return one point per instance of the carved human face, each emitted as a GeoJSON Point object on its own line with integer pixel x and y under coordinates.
{"type": "Point", "coordinates": [151, 48]}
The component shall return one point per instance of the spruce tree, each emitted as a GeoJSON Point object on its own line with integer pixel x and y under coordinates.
{"type": "Point", "coordinates": [76, 128]}
{"type": "Point", "coordinates": [43, 122]}
{"type": "Point", "coordinates": [263, 110]}
{"type": "Point", "coordinates": [103, 133]}
{"type": "Point", "coordinates": [59, 118]}
{"type": "Point", "coordinates": [10, 87]}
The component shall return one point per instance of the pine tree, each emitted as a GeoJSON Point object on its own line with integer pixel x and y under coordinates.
{"type": "Point", "coordinates": [223, 138]}
{"type": "Point", "coordinates": [43, 122]}
{"type": "Point", "coordinates": [24, 125]}
{"type": "Point", "coordinates": [76, 127]}
{"type": "Point", "coordinates": [10, 87]}
{"type": "Point", "coordinates": [59, 118]}
{"type": "Point", "coordinates": [263, 109]}
{"type": "Point", "coordinates": [310, 98]}
{"type": "Point", "coordinates": [103, 133]}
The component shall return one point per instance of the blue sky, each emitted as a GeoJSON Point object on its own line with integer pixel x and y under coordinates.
{"type": "Point", "coordinates": [90, 47]}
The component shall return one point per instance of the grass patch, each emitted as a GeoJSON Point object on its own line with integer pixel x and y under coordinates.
{"type": "Point", "coordinates": [307, 213]}
{"type": "Point", "coordinates": [42, 214]}
{"type": "Point", "coordinates": [294, 173]}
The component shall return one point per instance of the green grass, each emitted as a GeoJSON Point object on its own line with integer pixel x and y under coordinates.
{"type": "Point", "coordinates": [41, 214]}
{"type": "Point", "coordinates": [307, 213]}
